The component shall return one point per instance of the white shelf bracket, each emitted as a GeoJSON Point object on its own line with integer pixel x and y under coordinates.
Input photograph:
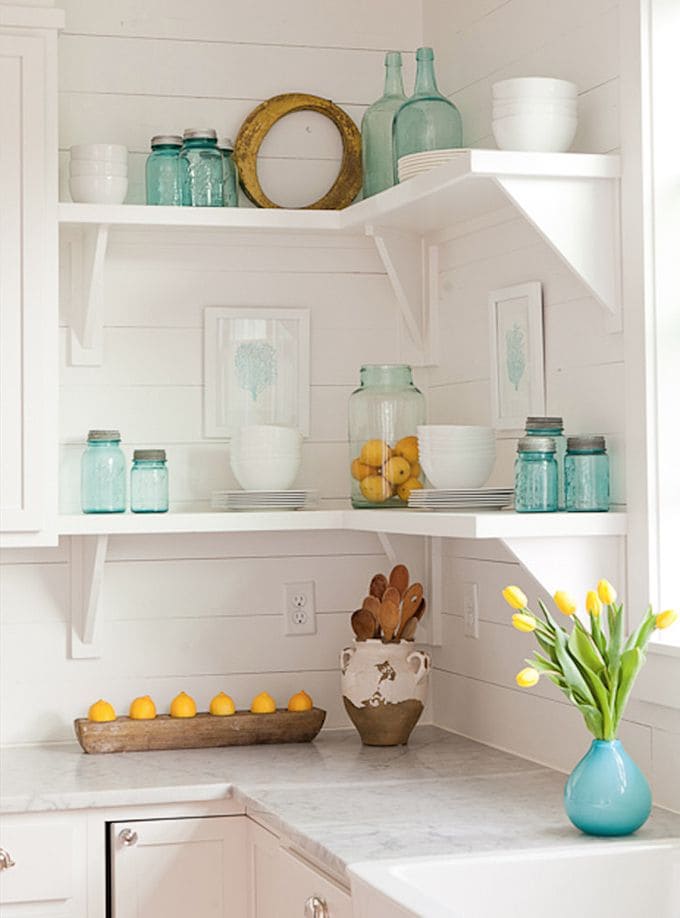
{"type": "Point", "coordinates": [88, 555]}
{"type": "Point", "coordinates": [88, 257]}
{"type": "Point", "coordinates": [387, 547]}
{"type": "Point", "coordinates": [580, 219]}
{"type": "Point", "coordinates": [434, 565]}
{"type": "Point", "coordinates": [412, 266]}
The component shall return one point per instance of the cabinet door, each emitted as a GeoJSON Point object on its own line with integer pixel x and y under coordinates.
{"type": "Point", "coordinates": [179, 868]}
{"type": "Point", "coordinates": [28, 288]}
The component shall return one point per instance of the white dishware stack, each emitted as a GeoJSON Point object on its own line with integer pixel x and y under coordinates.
{"type": "Point", "coordinates": [98, 173]}
{"type": "Point", "coordinates": [266, 457]}
{"type": "Point", "coordinates": [536, 114]}
{"type": "Point", "coordinates": [457, 456]}
{"type": "Point", "coordinates": [416, 163]}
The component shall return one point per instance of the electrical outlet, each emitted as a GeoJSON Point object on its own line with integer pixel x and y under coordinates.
{"type": "Point", "coordinates": [300, 609]}
{"type": "Point", "coordinates": [471, 609]}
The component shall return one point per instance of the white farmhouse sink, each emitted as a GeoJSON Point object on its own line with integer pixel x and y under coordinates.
{"type": "Point", "coordinates": [595, 880]}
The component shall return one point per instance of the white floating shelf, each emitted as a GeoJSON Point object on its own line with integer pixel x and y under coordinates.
{"type": "Point", "coordinates": [95, 524]}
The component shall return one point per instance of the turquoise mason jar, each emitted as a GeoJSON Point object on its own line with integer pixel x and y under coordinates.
{"type": "Point", "coordinates": [102, 473]}
{"type": "Point", "coordinates": [552, 427]}
{"type": "Point", "coordinates": [586, 473]}
{"type": "Point", "coordinates": [149, 491]}
{"type": "Point", "coordinates": [377, 141]}
{"type": "Point", "coordinates": [229, 173]}
{"type": "Point", "coordinates": [201, 171]}
{"type": "Point", "coordinates": [536, 476]}
{"type": "Point", "coordinates": [162, 170]}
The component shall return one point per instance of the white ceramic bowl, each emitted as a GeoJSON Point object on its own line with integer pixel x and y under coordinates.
{"type": "Point", "coordinates": [109, 152]}
{"type": "Point", "coordinates": [268, 436]}
{"type": "Point", "coordinates": [98, 189]}
{"type": "Point", "coordinates": [501, 109]}
{"type": "Point", "coordinates": [535, 133]}
{"type": "Point", "coordinates": [94, 167]}
{"type": "Point", "coordinates": [534, 87]}
{"type": "Point", "coordinates": [453, 471]}
{"type": "Point", "coordinates": [265, 475]}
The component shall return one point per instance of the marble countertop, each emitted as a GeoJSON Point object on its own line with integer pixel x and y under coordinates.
{"type": "Point", "coordinates": [338, 801]}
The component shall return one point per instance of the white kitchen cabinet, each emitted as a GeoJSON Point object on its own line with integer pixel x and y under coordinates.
{"type": "Point", "coordinates": [28, 277]}
{"type": "Point", "coordinates": [174, 868]}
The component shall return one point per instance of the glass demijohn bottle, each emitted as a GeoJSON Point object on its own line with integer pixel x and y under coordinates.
{"type": "Point", "coordinates": [201, 169]}
{"type": "Point", "coordinates": [428, 120]}
{"type": "Point", "coordinates": [377, 153]}
{"type": "Point", "coordinates": [102, 473]}
{"type": "Point", "coordinates": [162, 170]}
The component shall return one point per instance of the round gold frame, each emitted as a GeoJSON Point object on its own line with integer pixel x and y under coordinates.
{"type": "Point", "coordinates": [261, 120]}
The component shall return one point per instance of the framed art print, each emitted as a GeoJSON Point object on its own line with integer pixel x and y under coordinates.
{"type": "Point", "coordinates": [517, 375]}
{"type": "Point", "coordinates": [256, 368]}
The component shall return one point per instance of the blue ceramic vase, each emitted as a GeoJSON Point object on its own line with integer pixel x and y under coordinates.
{"type": "Point", "coordinates": [607, 794]}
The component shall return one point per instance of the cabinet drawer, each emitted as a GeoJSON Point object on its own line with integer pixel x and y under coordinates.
{"type": "Point", "coordinates": [301, 881]}
{"type": "Point", "coordinates": [43, 862]}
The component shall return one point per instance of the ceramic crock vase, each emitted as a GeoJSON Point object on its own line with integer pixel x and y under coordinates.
{"type": "Point", "coordinates": [384, 687]}
{"type": "Point", "coordinates": [607, 794]}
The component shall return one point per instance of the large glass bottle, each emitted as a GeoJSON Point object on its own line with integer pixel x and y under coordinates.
{"type": "Point", "coordinates": [377, 152]}
{"type": "Point", "coordinates": [426, 121]}
{"type": "Point", "coordinates": [384, 414]}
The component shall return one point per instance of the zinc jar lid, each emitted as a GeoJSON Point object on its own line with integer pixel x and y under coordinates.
{"type": "Point", "coordinates": [149, 455]}
{"type": "Point", "coordinates": [536, 445]}
{"type": "Point", "coordinates": [103, 435]}
{"type": "Point", "coordinates": [578, 444]}
{"type": "Point", "coordinates": [200, 134]}
{"type": "Point", "coordinates": [166, 140]}
{"type": "Point", "coordinates": [548, 423]}
{"type": "Point", "coordinates": [226, 143]}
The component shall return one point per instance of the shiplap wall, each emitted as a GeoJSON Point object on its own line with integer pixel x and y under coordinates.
{"type": "Point", "coordinates": [204, 613]}
{"type": "Point", "coordinates": [476, 44]}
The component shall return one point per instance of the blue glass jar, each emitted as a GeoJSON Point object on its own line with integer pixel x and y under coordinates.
{"type": "Point", "coordinates": [201, 169]}
{"type": "Point", "coordinates": [149, 481]}
{"type": "Point", "coordinates": [162, 170]}
{"type": "Point", "coordinates": [229, 173]}
{"type": "Point", "coordinates": [102, 473]}
{"type": "Point", "coordinates": [586, 474]}
{"type": "Point", "coordinates": [536, 476]}
{"type": "Point", "coordinates": [552, 427]}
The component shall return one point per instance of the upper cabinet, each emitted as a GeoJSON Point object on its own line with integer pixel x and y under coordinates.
{"type": "Point", "coordinates": [28, 276]}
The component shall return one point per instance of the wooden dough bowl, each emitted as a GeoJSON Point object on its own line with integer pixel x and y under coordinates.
{"type": "Point", "coordinates": [201, 732]}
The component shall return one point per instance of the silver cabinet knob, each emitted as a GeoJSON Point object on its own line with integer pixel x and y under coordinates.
{"type": "Point", "coordinates": [316, 907]}
{"type": "Point", "coordinates": [128, 837]}
{"type": "Point", "coordinates": [6, 860]}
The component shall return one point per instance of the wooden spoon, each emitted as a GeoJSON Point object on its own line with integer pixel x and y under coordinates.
{"type": "Point", "coordinates": [392, 594]}
{"type": "Point", "coordinates": [378, 586]}
{"type": "Point", "coordinates": [389, 619]}
{"type": "Point", "coordinates": [363, 624]}
{"type": "Point", "coordinates": [408, 632]}
{"type": "Point", "coordinates": [399, 578]}
{"type": "Point", "coordinates": [411, 600]}
{"type": "Point", "coordinates": [409, 611]}
{"type": "Point", "coordinates": [372, 605]}
{"type": "Point", "coordinates": [420, 611]}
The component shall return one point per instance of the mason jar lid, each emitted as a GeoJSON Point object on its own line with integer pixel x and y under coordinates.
{"type": "Point", "coordinates": [538, 423]}
{"type": "Point", "coordinates": [581, 443]}
{"type": "Point", "coordinates": [536, 445]}
{"type": "Point", "coordinates": [168, 140]}
{"type": "Point", "coordinates": [103, 435]}
{"type": "Point", "coordinates": [149, 455]}
{"type": "Point", "coordinates": [200, 134]}
{"type": "Point", "coordinates": [226, 143]}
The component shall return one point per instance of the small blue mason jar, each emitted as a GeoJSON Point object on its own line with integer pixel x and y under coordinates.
{"type": "Point", "coordinates": [230, 173]}
{"type": "Point", "coordinates": [201, 170]}
{"type": "Point", "coordinates": [536, 475]}
{"type": "Point", "coordinates": [149, 481]}
{"type": "Point", "coordinates": [162, 170]}
{"type": "Point", "coordinates": [552, 427]}
{"type": "Point", "coordinates": [102, 473]}
{"type": "Point", "coordinates": [586, 472]}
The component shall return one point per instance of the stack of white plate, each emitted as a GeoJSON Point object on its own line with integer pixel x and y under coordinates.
{"type": "Point", "coordinates": [263, 500]}
{"type": "Point", "coordinates": [417, 163]}
{"type": "Point", "coordinates": [461, 499]}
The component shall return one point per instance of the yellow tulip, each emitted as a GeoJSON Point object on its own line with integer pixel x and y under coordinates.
{"type": "Point", "coordinates": [515, 597]}
{"type": "Point", "coordinates": [564, 602]}
{"type": "Point", "coordinates": [666, 619]}
{"type": "Point", "coordinates": [523, 622]}
{"type": "Point", "coordinates": [527, 677]}
{"type": "Point", "coordinates": [593, 603]}
{"type": "Point", "coordinates": [606, 592]}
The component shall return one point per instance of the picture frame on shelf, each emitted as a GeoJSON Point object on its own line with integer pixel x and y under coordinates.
{"type": "Point", "coordinates": [516, 346]}
{"type": "Point", "coordinates": [255, 368]}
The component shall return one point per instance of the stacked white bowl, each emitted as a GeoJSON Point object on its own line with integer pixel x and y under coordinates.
{"type": "Point", "coordinates": [535, 114]}
{"type": "Point", "coordinates": [98, 173]}
{"type": "Point", "coordinates": [456, 456]}
{"type": "Point", "coordinates": [265, 457]}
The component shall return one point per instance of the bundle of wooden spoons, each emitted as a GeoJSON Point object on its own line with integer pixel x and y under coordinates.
{"type": "Point", "coordinates": [392, 609]}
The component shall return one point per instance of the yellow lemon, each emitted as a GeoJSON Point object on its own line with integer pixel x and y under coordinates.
{"type": "Point", "coordinates": [143, 708]}
{"type": "Point", "coordinates": [263, 704]}
{"type": "Point", "coordinates": [101, 712]}
{"type": "Point", "coordinates": [375, 453]}
{"type": "Point", "coordinates": [360, 470]}
{"type": "Point", "coordinates": [183, 705]}
{"type": "Point", "coordinates": [222, 705]}
{"type": "Point", "coordinates": [300, 702]}
{"type": "Point", "coordinates": [408, 448]}
{"type": "Point", "coordinates": [376, 489]}
{"type": "Point", "coordinates": [397, 470]}
{"type": "Point", "coordinates": [416, 470]}
{"type": "Point", "coordinates": [411, 484]}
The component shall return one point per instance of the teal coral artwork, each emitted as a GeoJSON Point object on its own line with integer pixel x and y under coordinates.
{"type": "Point", "coordinates": [255, 363]}
{"type": "Point", "coordinates": [515, 354]}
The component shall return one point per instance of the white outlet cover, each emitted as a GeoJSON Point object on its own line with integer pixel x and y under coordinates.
{"type": "Point", "coordinates": [299, 613]}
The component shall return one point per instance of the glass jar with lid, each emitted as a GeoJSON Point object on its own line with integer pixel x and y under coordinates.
{"type": "Point", "coordinates": [384, 414]}
{"type": "Point", "coordinates": [536, 475]}
{"type": "Point", "coordinates": [552, 427]}
{"type": "Point", "coordinates": [149, 481]}
{"type": "Point", "coordinates": [229, 173]}
{"type": "Point", "coordinates": [586, 472]}
{"type": "Point", "coordinates": [201, 169]}
{"type": "Point", "coordinates": [162, 170]}
{"type": "Point", "coordinates": [102, 478]}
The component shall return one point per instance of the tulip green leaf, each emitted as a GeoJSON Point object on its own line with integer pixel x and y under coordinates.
{"type": "Point", "coordinates": [583, 649]}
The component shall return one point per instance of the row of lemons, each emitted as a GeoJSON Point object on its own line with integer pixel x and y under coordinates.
{"type": "Point", "coordinates": [183, 705]}
{"type": "Point", "coordinates": [383, 471]}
